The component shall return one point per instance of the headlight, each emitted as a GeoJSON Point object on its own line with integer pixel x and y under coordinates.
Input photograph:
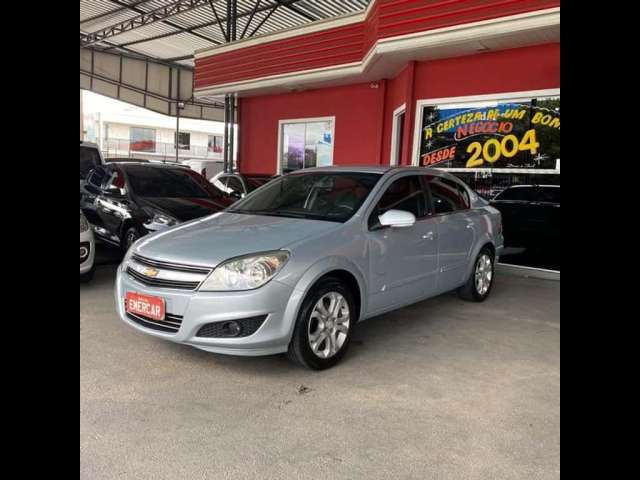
{"type": "Point", "coordinates": [159, 221]}
{"type": "Point", "coordinates": [245, 273]}
{"type": "Point", "coordinates": [84, 225]}
{"type": "Point", "coordinates": [126, 258]}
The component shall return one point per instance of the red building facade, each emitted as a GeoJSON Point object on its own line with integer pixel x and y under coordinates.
{"type": "Point", "coordinates": [363, 89]}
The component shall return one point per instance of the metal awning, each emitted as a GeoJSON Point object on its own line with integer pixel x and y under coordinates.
{"type": "Point", "coordinates": [172, 30]}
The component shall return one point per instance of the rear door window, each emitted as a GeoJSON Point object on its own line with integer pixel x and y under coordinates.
{"type": "Point", "coordinates": [446, 195]}
{"type": "Point", "coordinates": [89, 159]}
{"type": "Point", "coordinates": [516, 193]}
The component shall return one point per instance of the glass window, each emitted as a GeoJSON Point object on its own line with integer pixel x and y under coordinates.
{"type": "Point", "coordinates": [214, 143]}
{"type": "Point", "coordinates": [334, 196]}
{"type": "Point", "coordinates": [516, 193]}
{"type": "Point", "coordinates": [89, 159]}
{"type": "Point", "coordinates": [548, 194]}
{"type": "Point", "coordinates": [147, 181]}
{"type": "Point", "coordinates": [306, 144]}
{"type": "Point", "coordinates": [445, 195]}
{"type": "Point", "coordinates": [464, 196]}
{"type": "Point", "coordinates": [406, 194]}
{"type": "Point", "coordinates": [96, 177]}
{"type": "Point", "coordinates": [142, 139]}
{"type": "Point", "coordinates": [235, 186]}
{"type": "Point", "coordinates": [183, 139]}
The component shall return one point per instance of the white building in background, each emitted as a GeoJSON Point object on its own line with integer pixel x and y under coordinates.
{"type": "Point", "coordinates": [152, 137]}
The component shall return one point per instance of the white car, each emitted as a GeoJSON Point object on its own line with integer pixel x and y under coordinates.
{"type": "Point", "coordinates": [87, 249]}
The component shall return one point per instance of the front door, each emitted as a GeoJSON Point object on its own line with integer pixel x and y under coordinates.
{"type": "Point", "coordinates": [402, 261]}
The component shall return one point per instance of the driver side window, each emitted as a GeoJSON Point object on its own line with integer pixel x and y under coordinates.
{"type": "Point", "coordinates": [406, 194]}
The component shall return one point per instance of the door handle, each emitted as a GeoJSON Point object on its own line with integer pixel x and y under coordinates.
{"type": "Point", "coordinates": [428, 236]}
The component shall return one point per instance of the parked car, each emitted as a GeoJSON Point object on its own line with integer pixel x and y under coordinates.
{"type": "Point", "coordinates": [296, 264]}
{"type": "Point", "coordinates": [206, 168]}
{"type": "Point", "coordinates": [87, 250]}
{"type": "Point", "coordinates": [530, 215]}
{"type": "Point", "coordinates": [238, 185]}
{"type": "Point", "coordinates": [125, 201]}
{"type": "Point", "coordinates": [124, 160]}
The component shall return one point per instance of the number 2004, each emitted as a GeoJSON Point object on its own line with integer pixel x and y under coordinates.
{"type": "Point", "coordinates": [508, 147]}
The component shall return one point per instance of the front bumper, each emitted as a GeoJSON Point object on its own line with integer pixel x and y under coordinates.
{"type": "Point", "coordinates": [275, 300]}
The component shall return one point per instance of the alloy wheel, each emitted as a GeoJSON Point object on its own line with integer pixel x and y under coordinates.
{"type": "Point", "coordinates": [483, 274]}
{"type": "Point", "coordinates": [329, 325]}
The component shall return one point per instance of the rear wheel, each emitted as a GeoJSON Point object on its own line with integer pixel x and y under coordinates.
{"type": "Point", "coordinates": [480, 281]}
{"type": "Point", "coordinates": [324, 326]}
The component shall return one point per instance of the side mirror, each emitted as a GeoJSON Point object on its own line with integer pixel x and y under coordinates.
{"type": "Point", "coordinates": [113, 192]}
{"type": "Point", "coordinates": [397, 219]}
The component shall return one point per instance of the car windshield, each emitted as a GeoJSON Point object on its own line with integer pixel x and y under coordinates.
{"type": "Point", "coordinates": [331, 196]}
{"type": "Point", "coordinates": [147, 181]}
{"type": "Point", "coordinates": [255, 182]}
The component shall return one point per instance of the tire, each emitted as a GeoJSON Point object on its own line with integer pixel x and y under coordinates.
{"type": "Point", "coordinates": [130, 236]}
{"type": "Point", "coordinates": [472, 290]}
{"type": "Point", "coordinates": [87, 277]}
{"type": "Point", "coordinates": [311, 322]}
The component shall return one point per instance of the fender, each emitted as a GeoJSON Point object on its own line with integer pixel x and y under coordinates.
{"type": "Point", "coordinates": [312, 275]}
{"type": "Point", "coordinates": [483, 239]}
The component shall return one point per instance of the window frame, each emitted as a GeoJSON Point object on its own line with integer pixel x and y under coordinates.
{"type": "Point", "coordinates": [283, 122]}
{"type": "Point", "coordinates": [472, 101]}
{"type": "Point", "coordinates": [177, 143]}
{"type": "Point", "coordinates": [458, 184]}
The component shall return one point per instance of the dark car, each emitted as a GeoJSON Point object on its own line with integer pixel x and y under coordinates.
{"type": "Point", "coordinates": [125, 201]}
{"type": "Point", "coordinates": [530, 215]}
{"type": "Point", "coordinates": [124, 160]}
{"type": "Point", "coordinates": [238, 185]}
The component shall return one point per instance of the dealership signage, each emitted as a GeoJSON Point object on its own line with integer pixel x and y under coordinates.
{"type": "Point", "coordinates": [504, 135]}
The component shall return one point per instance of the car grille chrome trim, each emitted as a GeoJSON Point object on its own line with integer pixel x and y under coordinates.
{"type": "Point", "coordinates": [166, 275]}
{"type": "Point", "coordinates": [161, 282]}
{"type": "Point", "coordinates": [170, 266]}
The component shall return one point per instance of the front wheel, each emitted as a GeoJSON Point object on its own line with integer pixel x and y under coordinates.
{"type": "Point", "coordinates": [324, 326]}
{"type": "Point", "coordinates": [480, 281]}
{"type": "Point", "coordinates": [129, 238]}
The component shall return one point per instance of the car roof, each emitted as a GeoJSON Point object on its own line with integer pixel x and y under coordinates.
{"type": "Point", "coordinates": [374, 169]}
{"type": "Point", "coordinates": [535, 185]}
{"type": "Point", "coordinates": [151, 164]}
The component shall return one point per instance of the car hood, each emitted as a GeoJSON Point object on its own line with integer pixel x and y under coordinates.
{"type": "Point", "coordinates": [184, 209]}
{"type": "Point", "coordinates": [211, 240]}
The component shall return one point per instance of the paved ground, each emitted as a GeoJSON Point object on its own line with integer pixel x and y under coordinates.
{"type": "Point", "coordinates": [441, 390]}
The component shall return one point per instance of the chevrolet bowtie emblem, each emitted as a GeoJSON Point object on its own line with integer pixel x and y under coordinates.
{"type": "Point", "coordinates": [150, 272]}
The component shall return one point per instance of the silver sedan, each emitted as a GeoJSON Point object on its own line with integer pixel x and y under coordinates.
{"type": "Point", "coordinates": [297, 264]}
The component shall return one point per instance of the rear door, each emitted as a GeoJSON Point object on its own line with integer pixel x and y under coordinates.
{"type": "Point", "coordinates": [518, 215]}
{"type": "Point", "coordinates": [456, 229]}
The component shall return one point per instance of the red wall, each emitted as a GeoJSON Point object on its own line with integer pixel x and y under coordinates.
{"type": "Point", "coordinates": [363, 114]}
{"type": "Point", "coordinates": [358, 110]}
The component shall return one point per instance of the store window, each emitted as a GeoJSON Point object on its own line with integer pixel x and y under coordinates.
{"type": "Point", "coordinates": [142, 139]}
{"type": "Point", "coordinates": [507, 148]}
{"type": "Point", "coordinates": [306, 143]}
{"type": "Point", "coordinates": [214, 143]}
{"type": "Point", "coordinates": [183, 139]}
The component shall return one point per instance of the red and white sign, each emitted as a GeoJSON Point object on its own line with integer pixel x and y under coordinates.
{"type": "Point", "coordinates": [145, 305]}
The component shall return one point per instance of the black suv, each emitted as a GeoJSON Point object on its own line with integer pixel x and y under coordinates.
{"type": "Point", "coordinates": [530, 215]}
{"type": "Point", "coordinates": [125, 201]}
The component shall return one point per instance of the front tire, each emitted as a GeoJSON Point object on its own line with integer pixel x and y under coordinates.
{"type": "Point", "coordinates": [130, 236]}
{"type": "Point", "coordinates": [480, 281]}
{"type": "Point", "coordinates": [324, 326]}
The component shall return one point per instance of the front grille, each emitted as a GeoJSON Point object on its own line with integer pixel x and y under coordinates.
{"type": "Point", "coordinates": [156, 282]}
{"type": "Point", "coordinates": [248, 326]}
{"type": "Point", "coordinates": [167, 275]}
{"type": "Point", "coordinates": [170, 266]}
{"type": "Point", "coordinates": [170, 324]}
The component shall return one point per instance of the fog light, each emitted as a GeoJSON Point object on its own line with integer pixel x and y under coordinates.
{"type": "Point", "coordinates": [84, 251]}
{"type": "Point", "coordinates": [231, 329]}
